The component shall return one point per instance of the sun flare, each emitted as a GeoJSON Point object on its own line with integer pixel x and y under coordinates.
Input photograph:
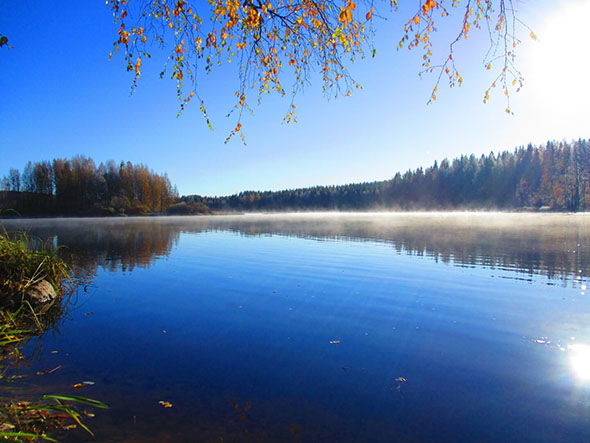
{"type": "Point", "coordinates": [557, 71]}
{"type": "Point", "coordinates": [580, 360]}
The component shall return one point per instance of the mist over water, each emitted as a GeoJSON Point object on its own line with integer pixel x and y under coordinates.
{"type": "Point", "coordinates": [550, 244]}
{"type": "Point", "coordinates": [327, 327]}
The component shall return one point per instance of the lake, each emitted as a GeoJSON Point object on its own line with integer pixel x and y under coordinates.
{"type": "Point", "coordinates": [323, 327]}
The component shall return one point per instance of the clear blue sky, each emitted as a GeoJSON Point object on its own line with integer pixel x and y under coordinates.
{"type": "Point", "coordinates": [60, 96]}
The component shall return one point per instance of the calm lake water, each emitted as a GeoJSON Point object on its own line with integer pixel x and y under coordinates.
{"type": "Point", "coordinates": [372, 327]}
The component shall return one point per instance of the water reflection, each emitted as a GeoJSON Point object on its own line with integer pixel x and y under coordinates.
{"type": "Point", "coordinates": [580, 360]}
{"type": "Point", "coordinates": [323, 339]}
{"type": "Point", "coordinates": [554, 245]}
{"type": "Point", "coordinates": [109, 244]}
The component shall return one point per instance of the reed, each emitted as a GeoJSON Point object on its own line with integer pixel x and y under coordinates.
{"type": "Point", "coordinates": [24, 262]}
{"type": "Point", "coordinates": [33, 421]}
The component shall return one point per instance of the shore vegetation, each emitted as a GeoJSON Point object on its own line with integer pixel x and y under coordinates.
{"type": "Point", "coordinates": [35, 284]}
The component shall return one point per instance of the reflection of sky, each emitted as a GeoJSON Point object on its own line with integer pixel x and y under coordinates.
{"type": "Point", "coordinates": [548, 245]}
{"type": "Point", "coordinates": [252, 317]}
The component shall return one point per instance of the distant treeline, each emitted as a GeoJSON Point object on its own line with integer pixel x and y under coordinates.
{"type": "Point", "coordinates": [78, 187]}
{"type": "Point", "coordinates": [551, 177]}
{"type": "Point", "coordinates": [554, 177]}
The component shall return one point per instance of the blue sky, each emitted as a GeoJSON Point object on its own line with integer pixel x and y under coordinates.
{"type": "Point", "coordinates": [61, 96]}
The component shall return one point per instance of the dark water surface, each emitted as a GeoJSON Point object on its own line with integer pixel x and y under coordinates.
{"type": "Point", "coordinates": [306, 326]}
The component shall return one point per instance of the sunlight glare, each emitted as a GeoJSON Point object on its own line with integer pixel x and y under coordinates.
{"type": "Point", "coordinates": [557, 72]}
{"type": "Point", "coordinates": [580, 360]}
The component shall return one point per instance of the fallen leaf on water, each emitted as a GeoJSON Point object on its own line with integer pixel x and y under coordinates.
{"type": "Point", "coordinates": [51, 371]}
{"type": "Point", "coordinates": [401, 379]}
{"type": "Point", "coordinates": [16, 377]}
{"type": "Point", "coordinates": [84, 383]}
{"type": "Point", "coordinates": [166, 404]}
{"type": "Point", "coordinates": [334, 342]}
{"type": "Point", "coordinates": [68, 427]}
{"type": "Point", "coordinates": [54, 352]}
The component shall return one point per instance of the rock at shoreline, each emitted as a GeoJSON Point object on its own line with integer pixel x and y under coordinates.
{"type": "Point", "coordinates": [40, 293]}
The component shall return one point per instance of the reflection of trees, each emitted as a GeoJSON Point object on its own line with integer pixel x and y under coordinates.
{"type": "Point", "coordinates": [552, 245]}
{"type": "Point", "coordinates": [111, 244]}
{"type": "Point", "coordinates": [117, 247]}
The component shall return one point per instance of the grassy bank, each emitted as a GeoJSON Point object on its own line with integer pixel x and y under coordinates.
{"type": "Point", "coordinates": [34, 282]}
{"type": "Point", "coordinates": [24, 263]}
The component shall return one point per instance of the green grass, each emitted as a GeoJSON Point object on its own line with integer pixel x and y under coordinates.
{"type": "Point", "coordinates": [33, 421]}
{"type": "Point", "coordinates": [25, 262]}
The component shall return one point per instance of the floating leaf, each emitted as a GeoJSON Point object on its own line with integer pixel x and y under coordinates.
{"type": "Point", "coordinates": [83, 384]}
